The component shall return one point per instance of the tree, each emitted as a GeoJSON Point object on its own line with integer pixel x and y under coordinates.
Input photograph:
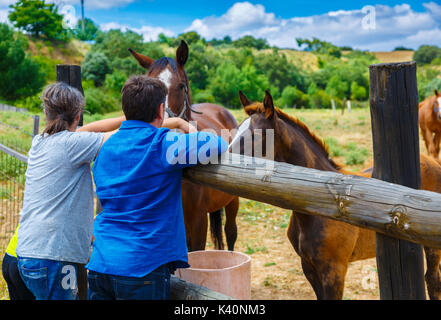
{"type": "Point", "coordinates": [95, 67]}
{"type": "Point", "coordinates": [426, 54]}
{"type": "Point", "coordinates": [38, 18]}
{"type": "Point", "coordinates": [337, 87]}
{"type": "Point", "coordinates": [191, 37]}
{"type": "Point", "coordinates": [279, 71]}
{"type": "Point", "coordinates": [358, 92]}
{"type": "Point", "coordinates": [322, 47]}
{"type": "Point", "coordinates": [20, 75]}
{"type": "Point", "coordinates": [90, 30]}
{"type": "Point", "coordinates": [251, 42]}
{"type": "Point", "coordinates": [228, 80]}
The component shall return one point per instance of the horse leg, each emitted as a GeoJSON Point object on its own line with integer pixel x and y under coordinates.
{"type": "Point", "coordinates": [433, 275]}
{"type": "Point", "coordinates": [231, 210]}
{"type": "Point", "coordinates": [325, 247]}
{"type": "Point", "coordinates": [430, 144]}
{"type": "Point", "coordinates": [436, 141]}
{"type": "Point", "coordinates": [216, 229]}
{"type": "Point", "coordinates": [197, 238]}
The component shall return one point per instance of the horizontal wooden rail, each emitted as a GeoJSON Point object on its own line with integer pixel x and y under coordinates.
{"type": "Point", "coordinates": [391, 209]}
{"type": "Point", "coordinates": [184, 290]}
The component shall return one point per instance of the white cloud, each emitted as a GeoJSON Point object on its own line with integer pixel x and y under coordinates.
{"type": "Point", "coordinates": [394, 26]}
{"type": "Point", "coordinates": [148, 32]}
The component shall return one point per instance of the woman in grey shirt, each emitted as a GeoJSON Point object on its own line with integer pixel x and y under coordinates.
{"type": "Point", "coordinates": [55, 228]}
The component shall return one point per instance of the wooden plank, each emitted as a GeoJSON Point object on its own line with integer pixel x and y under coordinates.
{"type": "Point", "coordinates": [394, 116]}
{"type": "Point", "coordinates": [395, 210]}
{"type": "Point", "coordinates": [183, 290]}
{"type": "Point", "coordinates": [71, 75]}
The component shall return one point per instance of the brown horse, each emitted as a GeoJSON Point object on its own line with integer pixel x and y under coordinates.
{"type": "Point", "coordinates": [197, 200]}
{"type": "Point", "coordinates": [430, 123]}
{"type": "Point", "coordinates": [326, 246]}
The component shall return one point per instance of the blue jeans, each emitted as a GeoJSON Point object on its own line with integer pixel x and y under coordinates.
{"type": "Point", "coordinates": [154, 286]}
{"type": "Point", "coordinates": [49, 279]}
{"type": "Point", "coordinates": [16, 287]}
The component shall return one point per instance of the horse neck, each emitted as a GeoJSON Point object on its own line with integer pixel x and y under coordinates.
{"type": "Point", "coordinates": [296, 146]}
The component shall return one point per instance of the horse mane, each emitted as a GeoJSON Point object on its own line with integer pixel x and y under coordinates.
{"type": "Point", "coordinates": [258, 107]}
{"type": "Point", "coordinates": [162, 63]}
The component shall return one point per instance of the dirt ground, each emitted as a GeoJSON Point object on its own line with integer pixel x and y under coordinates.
{"type": "Point", "coordinates": [276, 271]}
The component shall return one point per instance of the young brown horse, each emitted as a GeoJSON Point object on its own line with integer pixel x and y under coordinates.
{"type": "Point", "coordinates": [326, 246]}
{"type": "Point", "coordinates": [429, 117]}
{"type": "Point", "coordinates": [197, 200]}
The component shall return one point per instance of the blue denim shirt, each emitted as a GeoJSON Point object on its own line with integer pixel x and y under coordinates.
{"type": "Point", "coordinates": [138, 176]}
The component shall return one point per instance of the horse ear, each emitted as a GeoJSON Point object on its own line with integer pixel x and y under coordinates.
{"type": "Point", "coordinates": [437, 93]}
{"type": "Point", "coordinates": [243, 99]}
{"type": "Point", "coordinates": [268, 105]}
{"type": "Point", "coordinates": [143, 60]}
{"type": "Point", "coordinates": [182, 53]}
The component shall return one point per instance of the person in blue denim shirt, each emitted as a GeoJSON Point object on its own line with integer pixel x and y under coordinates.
{"type": "Point", "coordinates": [140, 234]}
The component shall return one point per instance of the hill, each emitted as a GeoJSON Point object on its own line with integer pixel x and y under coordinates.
{"type": "Point", "coordinates": [72, 52]}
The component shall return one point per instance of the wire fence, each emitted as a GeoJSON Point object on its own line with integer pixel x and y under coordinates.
{"type": "Point", "coordinates": [12, 180]}
{"type": "Point", "coordinates": [13, 164]}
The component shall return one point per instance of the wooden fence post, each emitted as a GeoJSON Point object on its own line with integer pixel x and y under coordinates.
{"type": "Point", "coordinates": [72, 76]}
{"type": "Point", "coordinates": [394, 116]}
{"type": "Point", "coordinates": [35, 125]}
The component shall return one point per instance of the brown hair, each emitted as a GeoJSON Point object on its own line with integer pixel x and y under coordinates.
{"type": "Point", "coordinates": [141, 98]}
{"type": "Point", "coordinates": [62, 104]}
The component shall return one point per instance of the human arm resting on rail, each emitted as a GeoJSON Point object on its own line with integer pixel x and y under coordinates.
{"type": "Point", "coordinates": [178, 123]}
{"type": "Point", "coordinates": [109, 126]}
{"type": "Point", "coordinates": [105, 125]}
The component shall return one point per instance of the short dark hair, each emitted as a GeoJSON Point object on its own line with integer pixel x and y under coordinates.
{"type": "Point", "coordinates": [141, 98]}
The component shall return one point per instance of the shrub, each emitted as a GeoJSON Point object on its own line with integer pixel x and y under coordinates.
{"type": "Point", "coordinates": [358, 92]}
{"type": "Point", "coordinates": [291, 96]}
{"type": "Point", "coordinates": [426, 54]}
{"type": "Point", "coordinates": [21, 75]}
{"type": "Point", "coordinates": [320, 99]}
{"type": "Point", "coordinates": [99, 101]}
{"type": "Point", "coordinates": [115, 81]}
{"type": "Point", "coordinates": [95, 67]}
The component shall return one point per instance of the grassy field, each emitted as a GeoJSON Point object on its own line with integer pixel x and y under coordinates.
{"type": "Point", "coordinates": [276, 268]}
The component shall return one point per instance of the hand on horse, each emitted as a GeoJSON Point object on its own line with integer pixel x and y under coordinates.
{"type": "Point", "coordinates": [179, 124]}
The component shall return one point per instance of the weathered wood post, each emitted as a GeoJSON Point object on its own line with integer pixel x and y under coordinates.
{"type": "Point", "coordinates": [394, 116]}
{"type": "Point", "coordinates": [72, 76]}
{"type": "Point", "coordinates": [35, 125]}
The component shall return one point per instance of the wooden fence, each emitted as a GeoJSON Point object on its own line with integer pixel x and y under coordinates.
{"type": "Point", "coordinates": [402, 215]}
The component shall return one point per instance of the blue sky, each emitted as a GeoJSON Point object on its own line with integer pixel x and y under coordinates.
{"type": "Point", "coordinates": [176, 15]}
{"type": "Point", "coordinates": [382, 26]}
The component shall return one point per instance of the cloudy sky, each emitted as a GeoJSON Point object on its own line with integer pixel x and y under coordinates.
{"type": "Point", "coordinates": [376, 26]}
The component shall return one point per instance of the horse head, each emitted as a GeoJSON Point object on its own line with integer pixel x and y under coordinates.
{"type": "Point", "coordinates": [256, 130]}
{"type": "Point", "coordinates": [172, 73]}
{"type": "Point", "coordinates": [280, 135]}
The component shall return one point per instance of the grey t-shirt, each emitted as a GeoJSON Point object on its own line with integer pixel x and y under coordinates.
{"type": "Point", "coordinates": [57, 216]}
